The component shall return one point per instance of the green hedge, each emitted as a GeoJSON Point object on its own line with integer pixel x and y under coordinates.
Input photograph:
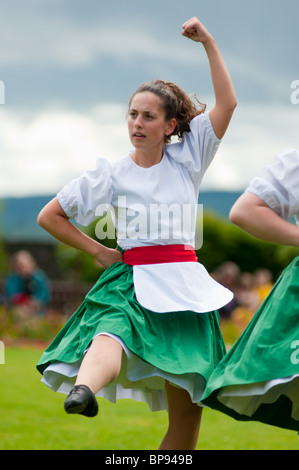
{"type": "Point", "coordinates": [222, 241]}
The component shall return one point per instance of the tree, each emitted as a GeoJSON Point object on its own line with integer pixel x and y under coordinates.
{"type": "Point", "coordinates": [222, 241]}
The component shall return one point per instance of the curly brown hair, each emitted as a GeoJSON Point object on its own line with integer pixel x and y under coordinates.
{"type": "Point", "coordinates": [175, 103]}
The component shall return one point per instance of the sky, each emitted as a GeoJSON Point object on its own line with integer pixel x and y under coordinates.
{"type": "Point", "coordinates": [68, 68]}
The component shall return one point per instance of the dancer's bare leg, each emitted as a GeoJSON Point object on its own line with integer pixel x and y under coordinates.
{"type": "Point", "coordinates": [184, 420]}
{"type": "Point", "coordinates": [101, 363]}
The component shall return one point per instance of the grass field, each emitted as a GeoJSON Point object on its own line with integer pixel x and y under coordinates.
{"type": "Point", "coordinates": [32, 418]}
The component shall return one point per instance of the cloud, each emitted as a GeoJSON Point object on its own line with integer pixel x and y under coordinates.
{"type": "Point", "coordinates": [58, 56]}
{"type": "Point", "coordinates": [256, 134]}
{"type": "Point", "coordinates": [41, 152]}
{"type": "Point", "coordinates": [49, 48]}
{"type": "Point", "coordinates": [34, 37]}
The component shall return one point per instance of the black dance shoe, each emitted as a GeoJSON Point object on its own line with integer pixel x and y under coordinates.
{"type": "Point", "coordinates": [81, 401]}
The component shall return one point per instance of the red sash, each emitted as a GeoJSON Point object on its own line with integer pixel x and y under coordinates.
{"type": "Point", "coordinates": [159, 254]}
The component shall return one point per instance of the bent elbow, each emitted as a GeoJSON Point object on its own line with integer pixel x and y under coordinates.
{"type": "Point", "coordinates": [232, 217]}
{"type": "Point", "coordinates": [48, 215]}
{"type": "Point", "coordinates": [41, 219]}
{"type": "Point", "coordinates": [236, 216]}
{"type": "Point", "coordinates": [232, 106]}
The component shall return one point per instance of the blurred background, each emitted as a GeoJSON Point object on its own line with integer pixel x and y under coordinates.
{"type": "Point", "coordinates": [67, 69]}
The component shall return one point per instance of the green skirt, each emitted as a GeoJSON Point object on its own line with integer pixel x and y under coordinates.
{"type": "Point", "coordinates": [259, 377]}
{"type": "Point", "coordinates": [180, 347]}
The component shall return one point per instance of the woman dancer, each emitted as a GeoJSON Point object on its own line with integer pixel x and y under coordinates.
{"type": "Point", "coordinates": [148, 329]}
{"type": "Point", "coordinates": [259, 378]}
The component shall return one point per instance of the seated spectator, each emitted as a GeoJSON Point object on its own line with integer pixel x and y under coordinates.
{"type": "Point", "coordinates": [248, 301]}
{"type": "Point", "coordinates": [27, 285]}
{"type": "Point", "coordinates": [263, 282]}
{"type": "Point", "coordinates": [228, 274]}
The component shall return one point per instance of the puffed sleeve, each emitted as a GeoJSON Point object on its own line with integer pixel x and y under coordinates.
{"type": "Point", "coordinates": [80, 197]}
{"type": "Point", "coordinates": [277, 184]}
{"type": "Point", "coordinates": [198, 147]}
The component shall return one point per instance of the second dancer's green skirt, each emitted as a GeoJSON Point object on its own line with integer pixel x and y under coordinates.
{"type": "Point", "coordinates": [259, 377]}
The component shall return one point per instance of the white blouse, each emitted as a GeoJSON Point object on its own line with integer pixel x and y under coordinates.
{"type": "Point", "coordinates": [278, 185]}
{"type": "Point", "coordinates": [154, 206]}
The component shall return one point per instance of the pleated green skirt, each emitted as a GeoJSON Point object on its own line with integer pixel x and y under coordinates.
{"type": "Point", "coordinates": [181, 347]}
{"type": "Point", "coordinates": [259, 377]}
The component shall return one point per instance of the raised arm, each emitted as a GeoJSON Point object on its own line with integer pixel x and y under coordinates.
{"type": "Point", "coordinates": [225, 95]}
{"type": "Point", "coordinates": [53, 219]}
{"type": "Point", "coordinates": [255, 217]}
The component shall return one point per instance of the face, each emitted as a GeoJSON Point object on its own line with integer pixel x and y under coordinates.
{"type": "Point", "coordinates": [24, 265]}
{"type": "Point", "coordinates": [146, 123]}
